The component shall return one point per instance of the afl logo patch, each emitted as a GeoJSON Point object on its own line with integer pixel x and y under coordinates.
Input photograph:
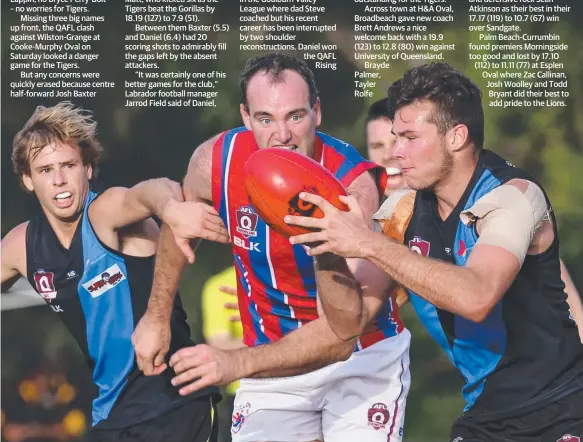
{"type": "Point", "coordinates": [45, 284]}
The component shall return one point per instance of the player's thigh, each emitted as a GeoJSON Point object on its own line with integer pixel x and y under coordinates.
{"type": "Point", "coordinates": [275, 410]}
{"type": "Point", "coordinates": [195, 421]}
{"type": "Point", "coordinates": [369, 403]}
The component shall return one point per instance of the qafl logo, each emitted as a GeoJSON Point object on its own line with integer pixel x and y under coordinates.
{"type": "Point", "coordinates": [378, 416]}
{"type": "Point", "coordinates": [299, 207]}
{"type": "Point", "coordinates": [569, 438]}
{"type": "Point", "coordinates": [420, 246]}
{"type": "Point", "coordinates": [239, 416]}
{"type": "Point", "coordinates": [246, 221]}
{"type": "Point", "coordinates": [45, 285]}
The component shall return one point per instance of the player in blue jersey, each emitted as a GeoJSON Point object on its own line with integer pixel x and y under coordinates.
{"type": "Point", "coordinates": [480, 260]}
{"type": "Point", "coordinates": [91, 257]}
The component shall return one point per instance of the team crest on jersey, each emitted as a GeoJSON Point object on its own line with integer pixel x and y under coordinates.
{"type": "Point", "coordinates": [378, 416]}
{"type": "Point", "coordinates": [239, 416]}
{"type": "Point", "coordinates": [569, 438]}
{"type": "Point", "coordinates": [246, 221]}
{"type": "Point", "coordinates": [299, 207]}
{"type": "Point", "coordinates": [45, 285]}
{"type": "Point", "coordinates": [420, 246]}
{"type": "Point", "coordinates": [104, 281]}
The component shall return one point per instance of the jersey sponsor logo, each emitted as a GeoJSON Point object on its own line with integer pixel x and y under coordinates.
{"type": "Point", "coordinates": [458, 439]}
{"type": "Point", "coordinates": [71, 274]}
{"type": "Point", "coordinates": [239, 416]}
{"type": "Point", "coordinates": [378, 416]}
{"type": "Point", "coordinates": [299, 207]}
{"type": "Point", "coordinates": [251, 246]}
{"type": "Point", "coordinates": [246, 221]}
{"type": "Point", "coordinates": [569, 438]}
{"type": "Point", "coordinates": [45, 285]}
{"type": "Point", "coordinates": [420, 246]}
{"type": "Point", "coordinates": [104, 281]}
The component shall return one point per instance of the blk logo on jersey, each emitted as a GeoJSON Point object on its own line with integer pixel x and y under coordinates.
{"type": "Point", "coordinates": [299, 207]}
{"type": "Point", "coordinates": [247, 245]}
{"type": "Point", "coordinates": [246, 221]}
{"type": "Point", "coordinates": [420, 246]}
{"type": "Point", "coordinates": [45, 285]}
{"type": "Point", "coordinates": [104, 281]}
{"type": "Point", "coordinates": [378, 416]}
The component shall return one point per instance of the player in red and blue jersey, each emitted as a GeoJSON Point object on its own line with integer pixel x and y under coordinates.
{"type": "Point", "coordinates": [338, 387]}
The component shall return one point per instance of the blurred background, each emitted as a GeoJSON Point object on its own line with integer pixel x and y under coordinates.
{"type": "Point", "coordinates": [46, 386]}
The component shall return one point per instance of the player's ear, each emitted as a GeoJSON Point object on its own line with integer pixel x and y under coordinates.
{"type": "Point", "coordinates": [27, 181]}
{"type": "Point", "coordinates": [318, 111]}
{"type": "Point", "coordinates": [457, 137]}
{"type": "Point", "coordinates": [89, 171]}
{"type": "Point", "coordinates": [245, 116]}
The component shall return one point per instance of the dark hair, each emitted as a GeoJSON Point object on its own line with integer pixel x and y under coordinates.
{"type": "Point", "coordinates": [379, 109]}
{"type": "Point", "coordinates": [456, 98]}
{"type": "Point", "coordinates": [274, 64]}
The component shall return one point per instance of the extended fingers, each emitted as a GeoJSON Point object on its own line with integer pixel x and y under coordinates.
{"type": "Point", "coordinates": [306, 221]}
{"type": "Point", "coordinates": [309, 238]}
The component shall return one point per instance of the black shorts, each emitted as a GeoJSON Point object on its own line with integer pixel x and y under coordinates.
{"type": "Point", "coordinates": [554, 422]}
{"type": "Point", "coordinates": [195, 421]}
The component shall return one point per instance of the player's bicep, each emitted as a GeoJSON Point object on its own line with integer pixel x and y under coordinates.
{"type": "Point", "coordinates": [495, 269]}
{"type": "Point", "coordinates": [114, 210]}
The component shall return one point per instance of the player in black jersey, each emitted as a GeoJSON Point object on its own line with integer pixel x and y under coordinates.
{"type": "Point", "coordinates": [91, 257]}
{"type": "Point", "coordinates": [480, 262]}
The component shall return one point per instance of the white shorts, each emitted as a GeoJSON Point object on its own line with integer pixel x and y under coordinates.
{"type": "Point", "coordinates": [361, 399]}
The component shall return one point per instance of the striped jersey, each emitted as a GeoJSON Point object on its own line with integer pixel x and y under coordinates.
{"type": "Point", "coordinates": [276, 281]}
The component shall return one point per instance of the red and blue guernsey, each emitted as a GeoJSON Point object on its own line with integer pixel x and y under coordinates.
{"type": "Point", "coordinates": [276, 280]}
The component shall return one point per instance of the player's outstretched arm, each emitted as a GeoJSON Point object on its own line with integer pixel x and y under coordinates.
{"type": "Point", "coordinates": [306, 349]}
{"type": "Point", "coordinates": [13, 256]}
{"type": "Point", "coordinates": [121, 207]}
{"type": "Point", "coordinates": [151, 338]}
{"type": "Point", "coordinates": [508, 221]}
{"type": "Point", "coordinates": [573, 298]}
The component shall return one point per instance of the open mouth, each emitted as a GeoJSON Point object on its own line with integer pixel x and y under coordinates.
{"type": "Point", "coordinates": [291, 147]}
{"type": "Point", "coordinates": [64, 199]}
{"type": "Point", "coordinates": [393, 171]}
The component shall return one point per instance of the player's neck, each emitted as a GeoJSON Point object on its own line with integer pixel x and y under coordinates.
{"type": "Point", "coordinates": [450, 189]}
{"type": "Point", "coordinates": [64, 229]}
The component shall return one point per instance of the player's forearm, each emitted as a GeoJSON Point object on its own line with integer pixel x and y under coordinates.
{"type": "Point", "coordinates": [456, 289]}
{"type": "Point", "coordinates": [170, 262]}
{"type": "Point", "coordinates": [310, 347]}
{"type": "Point", "coordinates": [153, 196]}
{"type": "Point", "coordinates": [340, 295]}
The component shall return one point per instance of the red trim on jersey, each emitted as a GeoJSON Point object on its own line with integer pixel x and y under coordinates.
{"type": "Point", "coordinates": [356, 172]}
{"type": "Point", "coordinates": [217, 172]}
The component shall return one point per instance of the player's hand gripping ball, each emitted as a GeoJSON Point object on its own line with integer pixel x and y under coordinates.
{"type": "Point", "coordinates": [274, 179]}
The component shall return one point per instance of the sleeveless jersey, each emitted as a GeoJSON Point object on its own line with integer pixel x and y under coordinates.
{"type": "Point", "coordinates": [527, 350]}
{"type": "Point", "coordinates": [276, 282]}
{"type": "Point", "coordinates": [100, 295]}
